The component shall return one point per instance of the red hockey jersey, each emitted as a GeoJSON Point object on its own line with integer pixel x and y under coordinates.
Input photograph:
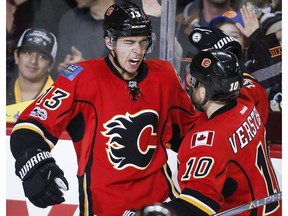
{"type": "Point", "coordinates": [119, 129]}
{"type": "Point", "coordinates": [224, 162]}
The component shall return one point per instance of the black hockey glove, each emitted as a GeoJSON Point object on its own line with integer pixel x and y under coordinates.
{"type": "Point", "coordinates": [42, 178]}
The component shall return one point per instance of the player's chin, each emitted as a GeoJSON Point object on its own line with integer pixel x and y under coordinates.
{"type": "Point", "coordinates": [133, 67]}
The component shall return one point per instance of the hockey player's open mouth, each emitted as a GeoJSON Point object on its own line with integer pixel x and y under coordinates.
{"type": "Point", "coordinates": [134, 61]}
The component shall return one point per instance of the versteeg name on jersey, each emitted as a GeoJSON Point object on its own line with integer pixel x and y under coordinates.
{"type": "Point", "coordinates": [245, 132]}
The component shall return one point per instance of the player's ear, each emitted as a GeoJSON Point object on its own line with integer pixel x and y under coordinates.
{"type": "Point", "coordinates": [202, 91]}
{"type": "Point", "coordinates": [108, 43]}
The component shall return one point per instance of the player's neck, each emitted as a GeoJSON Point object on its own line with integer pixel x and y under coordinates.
{"type": "Point", "coordinates": [212, 106]}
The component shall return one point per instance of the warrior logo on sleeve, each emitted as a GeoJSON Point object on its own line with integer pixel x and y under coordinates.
{"type": "Point", "coordinates": [132, 139]}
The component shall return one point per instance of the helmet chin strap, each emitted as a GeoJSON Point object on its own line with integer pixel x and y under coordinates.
{"type": "Point", "coordinates": [113, 54]}
{"type": "Point", "coordinates": [199, 106]}
{"type": "Point", "coordinates": [115, 59]}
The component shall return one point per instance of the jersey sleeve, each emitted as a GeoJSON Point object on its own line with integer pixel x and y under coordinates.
{"type": "Point", "coordinates": [42, 122]}
{"type": "Point", "coordinates": [254, 92]}
{"type": "Point", "coordinates": [182, 115]}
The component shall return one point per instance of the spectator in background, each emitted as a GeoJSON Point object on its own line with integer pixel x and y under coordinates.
{"type": "Point", "coordinates": [262, 54]}
{"type": "Point", "coordinates": [263, 7]}
{"type": "Point", "coordinates": [34, 56]}
{"type": "Point", "coordinates": [11, 39]}
{"type": "Point", "coordinates": [24, 14]}
{"type": "Point", "coordinates": [269, 13]}
{"type": "Point", "coordinates": [199, 13]}
{"type": "Point", "coordinates": [81, 34]}
{"type": "Point", "coordinates": [41, 14]}
{"type": "Point", "coordinates": [262, 57]}
{"type": "Point", "coordinates": [270, 25]}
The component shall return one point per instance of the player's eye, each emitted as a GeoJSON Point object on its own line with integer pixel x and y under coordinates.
{"type": "Point", "coordinates": [144, 42]}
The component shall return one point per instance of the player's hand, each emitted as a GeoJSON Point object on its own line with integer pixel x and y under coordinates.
{"type": "Point", "coordinates": [42, 179]}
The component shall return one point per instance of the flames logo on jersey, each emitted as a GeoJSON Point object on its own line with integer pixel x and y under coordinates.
{"type": "Point", "coordinates": [132, 139]}
{"type": "Point", "coordinates": [206, 62]}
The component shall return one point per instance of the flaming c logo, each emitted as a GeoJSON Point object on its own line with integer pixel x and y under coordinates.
{"type": "Point", "coordinates": [109, 11]}
{"type": "Point", "coordinates": [127, 146]}
{"type": "Point", "coordinates": [206, 62]}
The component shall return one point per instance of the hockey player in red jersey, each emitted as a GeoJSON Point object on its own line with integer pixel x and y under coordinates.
{"type": "Point", "coordinates": [121, 111]}
{"type": "Point", "coordinates": [224, 161]}
{"type": "Point", "coordinates": [212, 37]}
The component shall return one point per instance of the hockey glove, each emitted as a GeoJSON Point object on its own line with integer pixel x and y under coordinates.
{"type": "Point", "coordinates": [42, 178]}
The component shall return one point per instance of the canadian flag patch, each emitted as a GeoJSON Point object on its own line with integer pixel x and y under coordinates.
{"type": "Point", "coordinates": [203, 138]}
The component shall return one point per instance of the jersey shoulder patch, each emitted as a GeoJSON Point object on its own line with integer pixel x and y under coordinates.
{"type": "Point", "coordinates": [71, 71]}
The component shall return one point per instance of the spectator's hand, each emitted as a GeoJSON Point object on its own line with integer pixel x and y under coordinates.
{"type": "Point", "coordinates": [75, 56]}
{"type": "Point", "coordinates": [251, 23]}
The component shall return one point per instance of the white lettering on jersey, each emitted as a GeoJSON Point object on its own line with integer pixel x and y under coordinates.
{"type": "Point", "coordinates": [246, 132]}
